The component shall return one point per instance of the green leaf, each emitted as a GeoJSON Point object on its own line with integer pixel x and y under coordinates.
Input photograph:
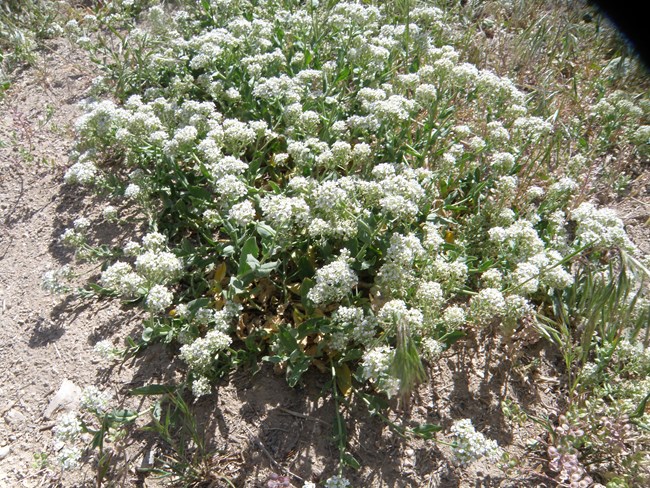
{"type": "Point", "coordinates": [426, 431]}
{"type": "Point", "coordinates": [147, 334]}
{"type": "Point", "coordinates": [306, 285]}
{"type": "Point", "coordinates": [267, 268]}
{"type": "Point", "coordinates": [295, 369]}
{"type": "Point", "coordinates": [121, 416]}
{"type": "Point", "coordinates": [640, 410]}
{"type": "Point", "coordinates": [349, 460]}
{"type": "Point", "coordinates": [249, 249]}
{"type": "Point", "coordinates": [195, 305]}
{"type": "Point", "coordinates": [264, 230]}
{"type": "Point", "coordinates": [345, 72]}
{"type": "Point", "coordinates": [452, 337]}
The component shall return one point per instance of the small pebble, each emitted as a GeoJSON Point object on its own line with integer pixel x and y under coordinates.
{"type": "Point", "coordinates": [4, 451]}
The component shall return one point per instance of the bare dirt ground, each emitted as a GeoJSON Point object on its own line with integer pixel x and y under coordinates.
{"type": "Point", "coordinates": [255, 425]}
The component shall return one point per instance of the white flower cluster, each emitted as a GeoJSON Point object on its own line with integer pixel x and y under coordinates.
{"type": "Point", "coordinates": [454, 317]}
{"type": "Point", "coordinates": [431, 348]}
{"type": "Point", "coordinates": [397, 274]}
{"type": "Point", "coordinates": [94, 400]}
{"type": "Point", "coordinates": [375, 366]}
{"type": "Point", "coordinates": [283, 212]}
{"type": "Point", "coordinates": [106, 350]}
{"type": "Point", "coordinates": [519, 241]}
{"type": "Point", "coordinates": [600, 227]}
{"type": "Point", "coordinates": [200, 354]}
{"type": "Point", "coordinates": [157, 266]}
{"type": "Point", "coordinates": [121, 278]}
{"type": "Point", "coordinates": [487, 304]}
{"type": "Point", "coordinates": [396, 314]}
{"type": "Point", "coordinates": [337, 482]}
{"type": "Point", "coordinates": [242, 213]}
{"type": "Point", "coordinates": [68, 427]}
{"type": "Point", "coordinates": [83, 173]}
{"type": "Point", "coordinates": [333, 281]}
{"type": "Point", "coordinates": [159, 298]}
{"type": "Point", "coordinates": [357, 325]}
{"type": "Point", "coordinates": [201, 386]}
{"type": "Point", "coordinates": [56, 281]}
{"type": "Point", "coordinates": [469, 445]}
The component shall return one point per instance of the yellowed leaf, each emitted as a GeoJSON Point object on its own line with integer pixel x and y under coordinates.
{"type": "Point", "coordinates": [344, 379]}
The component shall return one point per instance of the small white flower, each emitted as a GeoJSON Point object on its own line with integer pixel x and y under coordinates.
{"type": "Point", "coordinates": [68, 457]}
{"type": "Point", "coordinates": [333, 281]}
{"type": "Point", "coordinates": [470, 445]}
{"type": "Point", "coordinates": [154, 241]}
{"type": "Point", "coordinates": [454, 317]}
{"type": "Point", "coordinates": [487, 304]}
{"type": "Point", "coordinates": [431, 348]}
{"type": "Point", "coordinates": [337, 482]}
{"type": "Point", "coordinates": [132, 191]}
{"type": "Point", "coordinates": [83, 173]}
{"type": "Point", "coordinates": [109, 213]}
{"type": "Point", "coordinates": [106, 350]}
{"type": "Point", "coordinates": [242, 213]}
{"type": "Point", "coordinates": [159, 298]}
{"type": "Point", "coordinates": [68, 427]}
{"type": "Point", "coordinates": [201, 387]}
{"type": "Point", "coordinates": [95, 400]}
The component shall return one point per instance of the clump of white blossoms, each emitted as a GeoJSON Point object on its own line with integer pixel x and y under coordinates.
{"type": "Point", "coordinates": [469, 445]}
{"type": "Point", "coordinates": [57, 281]}
{"type": "Point", "coordinates": [158, 266]}
{"type": "Point", "coordinates": [132, 191]}
{"type": "Point", "coordinates": [454, 317]}
{"type": "Point", "coordinates": [200, 354]}
{"type": "Point", "coordinates": [159, 298]}
{"type": "Point", "coordinates": [242, 213]}
{"type": "Point", "coordinates": [68, 427]}
{"type": "Point", "coordinates": [67, 432]}
{"type": "Point", "coordinates": [110, 213]}
{"type": "Point", "coordinates": [94, 400]}
{"type": "Point", "coordinates": [375, 366]}
{"type": "Point", "coordinates": [487, 304]}
{"type": "Point", "coordinates": [83, 173]}
{"type": "Point", "coordinates": [354, 324]}
{"type": "Point", "coordinates": [334, 281]}
{"type": "Point", "coordinates": [431, 348]}
{"type": "Point", "coordinates": [201, 386]}
{"type": "Point", "coordinates": [121, 278]}
{"type": "Point", "coordinates": [395, 314]}
{"type": "Point", "coordinates": [600, 227]}
{"type": "Point", "coordinates": [107, 350]}
{"type": "Point", "coordinates": [337, 482]}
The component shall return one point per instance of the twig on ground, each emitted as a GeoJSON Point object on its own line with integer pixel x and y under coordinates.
{"type": "Point", "coordinates": [301, 415]}
{"type": "Point", "coordinates": [257, 441]}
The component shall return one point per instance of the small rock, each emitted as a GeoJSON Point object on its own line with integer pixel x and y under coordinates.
{"type": "Point", "coordinates": [66, 397]}
{"type": "Point", "coordinates": [15, 418]}
{"type": "Point", "coordinates": [4, 452]}
{"type": "Point", "coordinates": [148, 459]}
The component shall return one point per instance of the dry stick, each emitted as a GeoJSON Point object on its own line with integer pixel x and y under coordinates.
{"type": "Point", "coordinates": [301, 415]}
{"type": "Point", "coordinates": [257, 440]}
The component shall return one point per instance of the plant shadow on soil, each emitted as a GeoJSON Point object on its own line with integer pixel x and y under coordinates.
{"type": "Point", "coordinates": [256, 425]}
